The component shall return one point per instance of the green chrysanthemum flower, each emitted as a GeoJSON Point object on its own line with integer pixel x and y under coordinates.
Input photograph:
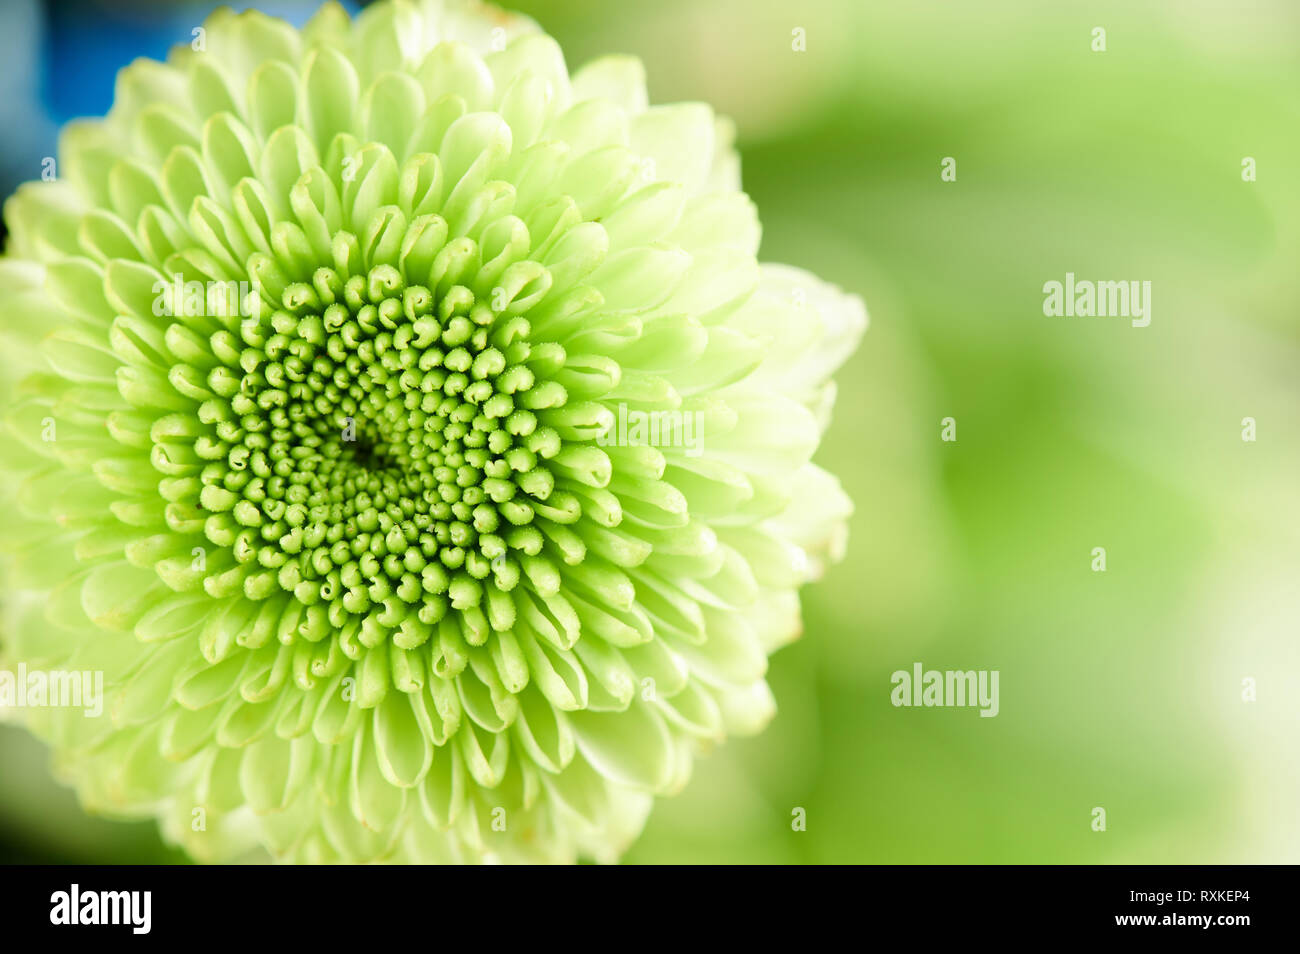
{"type": "Point", "coordinates": [473, 513]}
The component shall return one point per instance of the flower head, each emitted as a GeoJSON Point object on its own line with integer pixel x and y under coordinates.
{"type": "Point", "coordinates": [407, 431]}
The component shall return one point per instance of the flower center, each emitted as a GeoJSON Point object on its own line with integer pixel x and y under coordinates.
{"type": "Point", "coordinates": [376, 449]}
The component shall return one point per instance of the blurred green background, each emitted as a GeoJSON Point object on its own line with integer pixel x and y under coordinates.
{"type": "Point", "coordinates": [1120, 689]}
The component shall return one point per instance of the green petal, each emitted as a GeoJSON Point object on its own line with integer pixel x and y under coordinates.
{"type": "Point", "coordinates": [632, 748]}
